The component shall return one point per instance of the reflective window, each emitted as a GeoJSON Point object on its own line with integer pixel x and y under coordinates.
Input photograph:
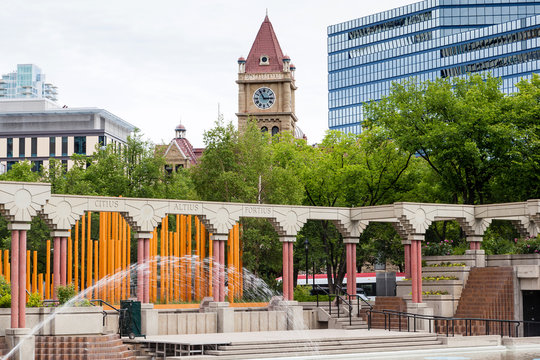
{"type": "Point", "coordinates": [79, 145]}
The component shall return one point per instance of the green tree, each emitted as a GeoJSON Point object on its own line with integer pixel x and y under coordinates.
{"type": "Point", "coordinates": [459, 127]}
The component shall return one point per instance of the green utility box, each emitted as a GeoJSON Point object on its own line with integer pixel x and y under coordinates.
{"type": "Point", "coordinates": [130, 319]}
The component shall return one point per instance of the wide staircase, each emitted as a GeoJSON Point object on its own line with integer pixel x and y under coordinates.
{"type": "Point", "coordinates": [82, 348]}
{"type": "Point", "coordinates": [325, 346]}
{"type": "Point", "coordinates": [488, 294]}
{"type": "Point", "coordinates": [337, 317]}
{"type": "Point", "coordinates": [393, 303]}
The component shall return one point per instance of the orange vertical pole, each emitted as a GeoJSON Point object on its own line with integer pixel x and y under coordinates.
{"type": "Point", "coordinates": [182, 258]}
{"type": "Point", "coordinates": [75, 256]}
{"type": "Point", "coordinates": [154, 265]}
{"type": "Point", "coordinates": [89, 254]}
{"type": "Point", "coordinates": [177, 259]}
{"type": "Point", "coordinates": [188, 253]}
{"type": "Point", "coordinates": [34, 274]}
{"type": "Point", "coordinates": [7, 266]}
{"type": "Point", "coordinates": [28, 273]}
{"type": "Point", "coordinates": [197, 259]}
{"type": "Point", "coordinates": [122, 259]}
{"type": "Point", "coordinates": [47, 269]}
{"type": "Point", "coordinates": [174, 236]}
{"type": "Point", "coordinates": [210, 264]}
{"type": "Point", "coordinates": [69, 259]}
{"type": "Point", "coordinates": [161, 262]}
{"type": "Point", "coordinates": [241, 264]}
{"type": "Point", "coordinates": [204, 273]}
{"type": "Point", "coordinates": [83, 245]}
{"type": "Point", "coordinates": [110, 270]}
{"type": "Point", "coordinates": [40, 285]}
{"type": "Point", "coordinates": [117, 257]}
{"type": "Point", "coordinates": [236, 260]}
{"type": "Point", "coordinates": [128, 244]}
{"type": "Point", "coordinates": [99, 269]}
{"type": "Point", "coordinates": [1, 267]}
{"type": "Point", "coordinates": [96, 267]}
{"type": "Point", "coordinates": [229, 266]}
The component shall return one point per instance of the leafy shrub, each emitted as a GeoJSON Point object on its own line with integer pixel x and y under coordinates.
{"type": "Point", "coordinates": [302, 293]}
{"type": "Point", "coordinates": [496, 245]}
{"type": "Point", "coordinates": [433, 248]}
{"type": "Point", "coordinates": [5, 288]}
{"type": "Point", "coordinates": [5, 301]}
{"type": "Point", "coordinates": [528, 245]}
{"type": "Point", "coordinates": [83, 303]}
{"type": "Point", "coordinates": [34, 300]}
{"type": "Point", "coordinates": [65, 293]}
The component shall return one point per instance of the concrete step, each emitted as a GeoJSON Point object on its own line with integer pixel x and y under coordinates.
{"type": "Point", "coordinates": [289, 352]}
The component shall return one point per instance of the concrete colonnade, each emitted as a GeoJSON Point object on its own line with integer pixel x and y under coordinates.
{"type": "Point", "coordinates": [20, 202]}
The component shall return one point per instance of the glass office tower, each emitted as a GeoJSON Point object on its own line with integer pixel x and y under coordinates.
{"type": "Point", "coordinates": [27, 82]}
{"type": "Point", "coordinates": [428, 40]}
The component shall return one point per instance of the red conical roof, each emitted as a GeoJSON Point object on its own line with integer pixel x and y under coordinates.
{"type": "Point", "coordinates": [266, 43]}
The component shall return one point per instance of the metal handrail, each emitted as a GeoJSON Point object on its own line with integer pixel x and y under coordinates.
{"type": "Point", "coordinates": [101, 302]}
{"type": "Point", "coordinates": [449, 321]}
{"type": "Point", "coordinates": [330, 302]}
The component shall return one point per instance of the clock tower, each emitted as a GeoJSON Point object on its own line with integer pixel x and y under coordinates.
{"type": "Point", "coordinates": [266, 85]}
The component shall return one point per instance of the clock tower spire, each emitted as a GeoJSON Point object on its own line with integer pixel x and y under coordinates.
{"type": "Point", "coordinates": [266, 85]}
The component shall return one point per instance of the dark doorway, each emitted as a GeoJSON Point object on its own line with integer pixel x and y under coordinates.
{"type": "Point", "coordinates": [531, 312]}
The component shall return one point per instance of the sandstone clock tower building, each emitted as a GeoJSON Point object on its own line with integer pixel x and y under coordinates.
{"type": "Point", "coordinates": [266, 85]}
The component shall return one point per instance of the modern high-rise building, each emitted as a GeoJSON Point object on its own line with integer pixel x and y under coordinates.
{"type": "Point", "coordinates": [26, 83]}
{"type": "Point", "coordinates": [428, 40]}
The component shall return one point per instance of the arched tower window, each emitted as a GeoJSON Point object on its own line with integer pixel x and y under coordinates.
{"type": "Point", "coordinates": [275, 130]}
{"type": "Point", "coordinates": [264, 129]}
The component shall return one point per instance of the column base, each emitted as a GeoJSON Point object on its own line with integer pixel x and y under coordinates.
{"type": "Point", "coordinates": [420, 309]}
{"type": "Point", "coordinates": [295, 313]}
{"type": "Point", "coordinates": [479, 257]}
{"type": "Point", "coordinates": [26, 349]}
{"type": "Point", "coordinates": [224, 315]}
{"type": "Point", "coordinates": [149, 319]}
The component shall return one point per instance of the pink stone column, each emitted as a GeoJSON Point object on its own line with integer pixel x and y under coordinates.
{"type": "Point", "coordinates": [215, 274]}
{"type": "Point", "coordinates": [291, 271]}
{"type": "Point", "coordinates": [222, 271]}
{"type": "Point", "coordinates": [349, 255]}
{"type": "Point", "coordinates": [285, 278]}
{"type": "Point", "coordinates": [407, 248]}
{"type": "Point", "coordinates": [56, 264]}
{"type": "Point", "coordinates": [22, 278]}
{"type": "Point", "coordinates": [63, 261]}
{"type": "Point", "coordinates": [15, 279]}
{"type": "Point", "coordinates": [414, 271]}
{"type": "Point", "coordinates": [140, 270]}
{"type": "Point", "coordinates": [146, 289]}
{"type": "Point", "coordinates": [353, 246]}
{"type": "Point", "coordinates": [419, 269]}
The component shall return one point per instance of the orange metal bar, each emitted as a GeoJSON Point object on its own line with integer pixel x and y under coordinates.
{"type": "Point", "coordinates": [183, 294]}
{"type": "Point", "coordinates": [83, 246]}
{"type": "Point", "coordinates": [122, 259]}
{"type": "Point", "coordinates": [34, 273]}
{"type": "Point", "coordinates": [241, 264]}
{"type": "Point", "coordinates": [48, 270]}
{"type": "Point", "coordinates": [1, 267]}
{"type": "Point", "coordinates": [40, 285]}
{"type": "Point", "coordinates": [210, 263]}
{"type": "Point", "coordinates": [204, 273]}
{"type": "Point", "coordinates": [236, 261]}
{"type": "Point", "coordinates": [7, 266]}
{"type": "Point", "coordinates": [230, 274]}
{"type": "Point", "coordinates": [89, 254]}
{"type": "Point", "coordinates": [75, 256]}
{"type": "Point", "coordinates": [188, 253]}
{"type": "Point", "coordinates": [129, 259]}
{"type": "Point", "coordinates": [161, 262]}
{"type": "Point", "coordinates": [96, 266]}
{"type": "Point", "coordinates": [28, 274]}
{"type": "Point", "coordinates": [197, 259]}
{"type": "Point", "coordinates": [69, 259]}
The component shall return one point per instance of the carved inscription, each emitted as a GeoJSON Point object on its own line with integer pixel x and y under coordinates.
{"type": "Point", "coordinates": [186, 207]}
{"type": "Point", "coordinates": [256, 210]}
{"type": "Point", "coordinates": [262, 76]}
{"type": "Point", "coordinates": [106, 204]}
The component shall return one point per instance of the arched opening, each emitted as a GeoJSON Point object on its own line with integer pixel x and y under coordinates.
{"type": "Point", "coordinates": [264, 129]}
{"type": "Point", "coordinates": [275, 130]}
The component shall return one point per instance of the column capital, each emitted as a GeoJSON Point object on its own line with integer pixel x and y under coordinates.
{"type": "Point", "coordinates": [219, 237]}
{"type": "Point", "coordinates": [417, 237]}
{"type": "Point", "coordinates": [143, 235]}
{"type": "Point", "coordinates": [60, 233]}
{"type": "Point", "coordinates": [19, 226]}
{"type": "Point", "coordinates": [351, 240]}
{"type": "Point", "coordinates": [287, 238]}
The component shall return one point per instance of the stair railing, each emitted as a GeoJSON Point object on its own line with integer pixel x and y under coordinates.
{"type": "Point", "coordinates": [449, 323]}
{"type": "Point", "coordinates": [337, 298]}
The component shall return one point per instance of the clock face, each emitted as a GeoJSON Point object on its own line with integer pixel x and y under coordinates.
{"type": "Point", "coordinates": [264, 98]}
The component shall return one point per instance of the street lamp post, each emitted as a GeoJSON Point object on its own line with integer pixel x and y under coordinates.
{"type": "Point", "coordinates": [306, 245]}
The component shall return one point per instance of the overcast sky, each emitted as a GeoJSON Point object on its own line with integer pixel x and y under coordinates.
{"type": "Point", "coordinates": [156, 63]}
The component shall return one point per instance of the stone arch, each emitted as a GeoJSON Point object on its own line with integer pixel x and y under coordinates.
{"type": "Point", "coordinates": [20, 202]}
